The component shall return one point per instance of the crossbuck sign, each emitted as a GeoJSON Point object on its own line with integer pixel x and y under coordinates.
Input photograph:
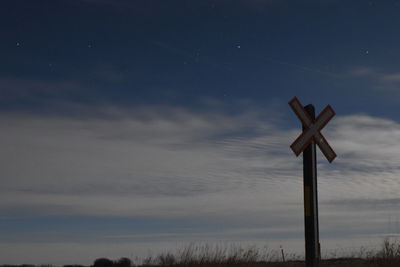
{"type": "Point", "coordinates": [312, 129]}
{"type": "Point", "coordinates": [306, 144]}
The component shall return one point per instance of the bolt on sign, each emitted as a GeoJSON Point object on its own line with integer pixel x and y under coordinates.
{"type": "Point", "coordinates": [306, 144]}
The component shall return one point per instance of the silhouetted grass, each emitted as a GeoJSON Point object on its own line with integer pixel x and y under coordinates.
{"type": "Point", "coordinates": [223, 256]}
{"type": "Point", "coordinates": [207, 255]}
{"type": "Point", "coordinates": [218, 256]}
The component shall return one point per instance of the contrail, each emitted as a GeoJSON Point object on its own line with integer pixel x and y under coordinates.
{"type": "Point", "coordinates": [302, 67]}
{"type": "Point", "coordinates": [189, 55]}
{"type": "Point", "coordinates": [207, 60]}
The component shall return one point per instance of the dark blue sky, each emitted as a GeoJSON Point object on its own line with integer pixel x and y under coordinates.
{"type": "Point", "coordinates": [130, 126]}
{"type": "Point", "coordinates": [184, 52]}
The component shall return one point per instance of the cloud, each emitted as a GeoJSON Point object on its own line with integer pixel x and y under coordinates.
{"type": "Point", "coordinates": [175, 155]}
{"type": "Point", "coordinates": [391, 77]}
{"type": "Point", "coordinates": [27, 92]}
{"type": "Point", "coordinates": [361, 71]}
{"type": "Point", "coordinates": [154, 161]}
{"type": "Point", "coordinates": [235, 172]}
{"type": "Point", "coordinates": [12, 89]}
{"type": "Point", "coordinates": [382, 81]}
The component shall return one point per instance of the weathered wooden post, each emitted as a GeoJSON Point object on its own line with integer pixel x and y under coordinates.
{"type": "Point", "coordinates": [306, 143]}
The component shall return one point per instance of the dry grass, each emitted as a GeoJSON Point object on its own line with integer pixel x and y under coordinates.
{"type": "Point", "coordinates": [218, 256]}
{"type": "Point", "coordinates": [235, 256]}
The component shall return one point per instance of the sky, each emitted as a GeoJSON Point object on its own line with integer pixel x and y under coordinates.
{"type": "Point", "coordinates": [130, 128]}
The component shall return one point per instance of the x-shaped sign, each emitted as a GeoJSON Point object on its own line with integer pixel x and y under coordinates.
{"type": "Point", "coordinates": [312, 129]}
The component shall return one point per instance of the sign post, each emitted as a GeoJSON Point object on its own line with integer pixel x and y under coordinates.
{"type": "Point", "coordinates": [306, 143]}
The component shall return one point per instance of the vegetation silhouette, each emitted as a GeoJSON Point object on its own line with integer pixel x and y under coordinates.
{"type": "Point", "coordinates": [216, 256]}
{"type": "Point", "coordinates": [103, 262]}
{"type": "Point", "coordinates": [123, 262]}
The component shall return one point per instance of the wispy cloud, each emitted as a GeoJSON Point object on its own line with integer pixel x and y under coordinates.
{"type": "Point", "coordinates": [169, 163]}
{"type": "Point", "coordinates": [177, 153]}
{"type": "Point", "coordinates": [383, 81]}
{"type": "Point", "coordinates": [12, 89]}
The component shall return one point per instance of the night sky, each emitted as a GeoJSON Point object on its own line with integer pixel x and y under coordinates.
{"type": "Point", "coordinates": [134, 127]}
